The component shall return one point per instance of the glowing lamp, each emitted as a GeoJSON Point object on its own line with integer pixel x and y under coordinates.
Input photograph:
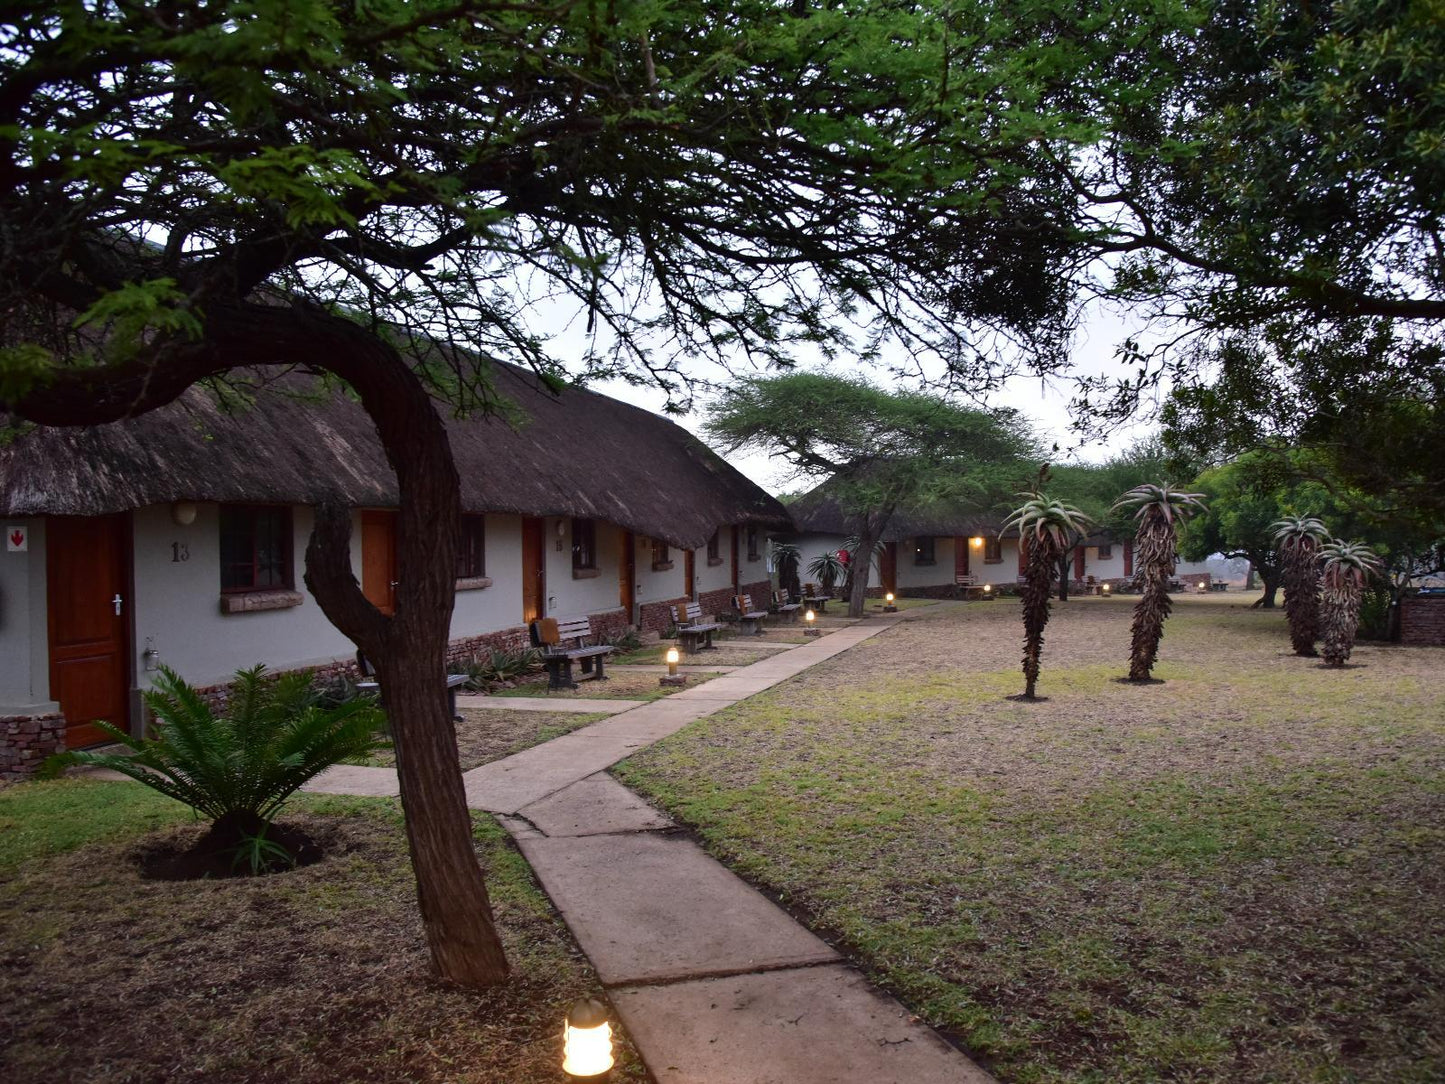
{"type": "Point", "coordinates": [988, 589]}
{"type": "Point", "coordinates": [672, 658]}
{"type": "Point", "coordinates": [1105, 588]}
{"type": "Point", "coordinates": [889, 596]}
{"type": "Point", "coordinates": [888, 607]}
{"type": "Point", "coordinates": [587, 1041]}
{"type": "Point", "coordinates": [975, 541]}
{"type": "Point", "coordinates": [1203, 587]}
{"type": "Point", "coordinates": [811, 620]}
{"type": "Point", "coordinates": [810, 617]}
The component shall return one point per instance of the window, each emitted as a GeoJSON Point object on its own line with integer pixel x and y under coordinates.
{"type": "Point", "coordinates": [472, 553]}
{"type": "Point", "coordinates": [923, 550]}
{"type": "Point", "coordinates": [714, 555]}
{"type": "Point", "coordinates": [1106, 551]}
{"type": "Point", "coordinates": [661, 555]}
{"type": "Point", "coordinates": [255, 547]}
{"type": "Point", "coordinates": [752, 544]}
{"type": "Point", "coordinates": [992, 550]}
{"type": "Point", "coordinates": [584, 543]}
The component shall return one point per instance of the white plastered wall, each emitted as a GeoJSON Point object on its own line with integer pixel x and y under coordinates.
{"type": "Point", "coordinates": [1111, 568]}
{"type": "Point", "coordinates": [498, 606]}
{"type": "Point", "coordinates": [569, 595]}
{"type": "Point", "coordinates": [24, 636]}
{"type": "Point", "coordinates": [713, 577]}
{"type": "Point", "coordinates": [910, 574]}
{"type": "Point", "coordinates": [661, 585]}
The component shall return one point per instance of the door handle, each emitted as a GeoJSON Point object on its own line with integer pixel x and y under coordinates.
{"type": "Point", "coordinates": [116, 602]}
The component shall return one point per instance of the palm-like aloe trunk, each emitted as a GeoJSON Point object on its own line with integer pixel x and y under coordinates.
{"type": "Point", "coordinates": [1340, 613]}
{"type": "Point", "coordinates": [1154, 546]}
{"type": "Point", "coordinates": [1042, 559]}
{"type": "Point", "coordinates": [1302, 595]}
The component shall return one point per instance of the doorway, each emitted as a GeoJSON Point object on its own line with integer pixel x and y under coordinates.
{"type": "Point", "coordinates": [88, 598]}
{"type": "Point", "coordinates": [378, 559]}
{"type": "Point", "coordinates": [534, 567]}
{"type": "Point", "coordinates": [627, 574]}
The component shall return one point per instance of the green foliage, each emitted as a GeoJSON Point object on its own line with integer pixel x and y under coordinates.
{"type": "Point", "coordinates": [827, 568]}
{"type": "Point", "coordinates": [1164, 503]}
{"type": "Point", "coordinates": [1047, 520]}
{"type": "Point", "coordinates": [271, 738]}
{"type": "Point", "coordinates": [499, 665]}
{"type": "Point", "coordinates": [258, 855]}
{"type": "Point", "coordinates": [1348, 563]}
{"type": "Point", "coordinates": [1376, 614]}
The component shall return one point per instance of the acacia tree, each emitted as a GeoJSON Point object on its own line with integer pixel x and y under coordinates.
{"type": "Point", "coordinates": [1045, 526]}
{"type": "Point", "coordinates": [1159, 509]}
{"type": "Point", "coordinates": [1345, 568]}
{"type": "Point", "coordinates": [1298, 539]}
{"type": "Point", "coordinates": [878, 450]}
{"type": "Point", "coordinates": [188, 191]}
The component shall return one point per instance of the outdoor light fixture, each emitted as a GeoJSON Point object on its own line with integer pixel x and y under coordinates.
{"type": "Point", "coordinates": [672, 677]}
{"type": "Point", "coordinates": [811, 619]}
{"type": "Point", "coordinates": [889, 608]}
{"type": "Point", "coordinates": [183, 513]}
{"type": "Point", "coordinates": [1203, 587]}
{"type": "Point", "coordinates": [672, 662]}
{"type": "Point", "coordinates": [587, 1041]}
{"type": "Point", "coordinates": [1105, 588]}
{"type": "Point", "coordinates": [988, 589]}
{"type": "Point", "coordinates": [975, 541]}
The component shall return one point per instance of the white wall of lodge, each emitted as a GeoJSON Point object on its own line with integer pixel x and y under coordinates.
{"type": "Point", "coordinates": [176, 608]}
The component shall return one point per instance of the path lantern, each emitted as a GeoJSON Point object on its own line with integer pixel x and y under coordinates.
{"type": "Point", "coordinates": [587, 1041]}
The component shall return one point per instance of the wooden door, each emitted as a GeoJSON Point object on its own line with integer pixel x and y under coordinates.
{"type": "Point", "coordinates": [960, 557]}
{"type": "Point", "coordinates": [534, 567]}
{"type": "Point", "coordinates": [689, 574]}
{"type": "Point", "coordinates": [378, 559]}
{"type": "Point", "coordinates": [627, 573]}
{"type": "Point", "coordinates": [736, 587]}
{"type": "Point", "coordinates": [888, 568]}
{"type": "Point", "coordinates": [88, 599]}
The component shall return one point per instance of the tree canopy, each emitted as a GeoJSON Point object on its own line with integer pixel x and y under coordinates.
{"type": "Point", "coordinates": [878, 450]}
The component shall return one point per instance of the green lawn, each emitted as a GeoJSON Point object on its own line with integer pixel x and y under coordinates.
{"type": "Point", "coordinates": [316, 974]}
{"type": "Point", "coordinates": [1236, 875]}
{"type": "Point", "coordinates": [618, 686]}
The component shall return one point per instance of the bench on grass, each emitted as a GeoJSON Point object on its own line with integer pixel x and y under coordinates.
{"type": "Point", "coordinates": [369, 684]}
{"type": "Point", "coordinates": [966, 585]}
{"type": "Point", "coordinates": [563, 641]}
{"type": "Point", "coordinates": [786, 606]}
{"type": "Point", "coordinates": [693, 632]}
{"type": "Point", "coordinates": [750, 616]}
{"type": "Point", "coordinates": [814, 599]}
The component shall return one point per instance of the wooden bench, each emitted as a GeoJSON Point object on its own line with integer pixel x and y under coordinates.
{"type": "Point", "coordinates": [786, 606]}
{"type": "Point", "coordinates": [553, 635]}
{"type": "Point", "coordinates": [813, 599]}
{"type": "Point", "coordinates": [751, 618]}
{"type": "Point", "coordinates": [966, 585]}
{"type": "Point", "coordinates": [693, 632]}
{"type": "Point", "coordinates": [369, 684]}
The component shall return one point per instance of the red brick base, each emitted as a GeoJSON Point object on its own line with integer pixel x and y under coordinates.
{"type": "Point", "coordinates": [1422, 622]}
{"type": "Point", "coordinates": [26, 740]}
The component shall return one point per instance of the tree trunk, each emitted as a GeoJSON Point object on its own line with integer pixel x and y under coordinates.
{"type": "Point", "coordinates": [1066, 558]}
{"type": "Point", "coordinates": [408, 649]}
{"type": "Point", "coordinates": [1155, 547]}
{"type": "Point", "coordinates": [1301, 580]}
{"type": "Point", "coordinates": [861, 566]}
{"type": "Point", "coordinates": [1038, 574]}
{"type": "Point", "coordinates": [1340, 613]}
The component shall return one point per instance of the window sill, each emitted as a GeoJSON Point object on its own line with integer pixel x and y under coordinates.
{"type": "Point", "coordinates": [663, 566]}
{"type": "Point", "coordinates": [585, 573]}
{"type": "Point", "coordinates": [713, 562]}
{"type": "Point", "coordinates": [473, 583]}
{"type": "Point", "coordinates": [246, 602]}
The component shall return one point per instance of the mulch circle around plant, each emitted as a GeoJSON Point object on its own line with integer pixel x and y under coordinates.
{"type": "Point", "coordinates": [1024, 698]}
{"type": "Point", "coordinates": [1139, 681]}
{"type": "Point", "coordinates": [213, 855]}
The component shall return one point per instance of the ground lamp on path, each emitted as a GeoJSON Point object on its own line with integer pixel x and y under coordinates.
{"type": "Point", "coordinates": [1160, 509]}
{"type": "Point", "coordinates": [672, 677]}
{"type": "Point", "coordinates": [587, 1042]}
{"type": "Point", "coordinates": [811, 621]}
{"type": "Point", "coordinates": [888, 606]}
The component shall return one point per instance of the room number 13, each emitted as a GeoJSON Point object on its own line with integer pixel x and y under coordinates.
{"type": "Point", "coordinates": [180, 551]}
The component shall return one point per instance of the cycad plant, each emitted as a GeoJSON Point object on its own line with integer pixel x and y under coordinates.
{"type": "Point", "coordinates": [1045, 525]}
{"type": "Point", "coordinates": [237, 767]}
{"type": "Point", "coordinates": [1298, 539]}
{"type": "Point", "coordinates": [1158, 510]}
{"type": "Point", "coordinates": [828, 569]}
{"type": "Point", "coordinates": [786, 558]}
{"type": "Point", "coordinates": [1345, 568]}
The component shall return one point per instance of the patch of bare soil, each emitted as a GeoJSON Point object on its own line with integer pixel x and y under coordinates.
{"type": "Point", "coordinates": [315, 976]}
{"type": "Point", "coordinates": [488, 734]}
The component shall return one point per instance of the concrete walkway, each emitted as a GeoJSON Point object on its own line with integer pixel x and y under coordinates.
{"type": "Point", "coordinates": [714, 982]}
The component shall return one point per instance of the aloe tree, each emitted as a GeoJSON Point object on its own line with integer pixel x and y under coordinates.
{"type": "Point", "coordinates": [1158, 511]}
{"type": "Point", "coordinates": [828, 568]}
{"type": "Point", "coordinates": [1298, 539]}
{"type": "Point", "coordinates": [1346, 567]}
{"type": "Point", "coordinates": [786, 559]}
{"type": "Point", "coordinates": [1045, 526]}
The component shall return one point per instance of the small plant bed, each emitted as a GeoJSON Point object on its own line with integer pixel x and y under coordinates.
{"type": "Point", "coordinates": [318, 974]}
{"type": "Point", "coordinates": [621, 686]}
{"type": "Point", "coordinates": [488, 734]}
{"type": "Point", "coordinates": [1234, 875]}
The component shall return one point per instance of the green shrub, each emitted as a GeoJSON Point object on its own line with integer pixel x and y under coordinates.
{"type": "Point", "coordinates": [626, 640]}
{"type": "Point", "coordinates": [499, 666]}
{"type": "Point", "coordinates": [237, 768]}
{"type": "Point", "coordinates": [1375, 615]}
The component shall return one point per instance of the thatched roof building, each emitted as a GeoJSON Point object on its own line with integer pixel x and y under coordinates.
{"type": "Point", "coordinates": [578, 453]}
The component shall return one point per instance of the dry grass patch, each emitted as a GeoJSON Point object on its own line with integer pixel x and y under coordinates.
{"type": "Point", "coordinates": [488, 734]}
{"type": "Point", "coordinates": [622, 685]}
{"type": "Point", "coordinates": [1235, 875]}
{"type": "Point", "coordinates": [315, 975]}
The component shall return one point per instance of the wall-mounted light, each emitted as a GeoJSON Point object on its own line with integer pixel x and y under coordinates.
{"type": "Point", "coordinates": [183, 513]}
{"type": "Point", "coordinates": [150, 657]}
{"type": "Point", "coordinates": [587, 1041]}
{"type": "Point", "coordinates": [561, 528]}
{"type": "Point", "coordinates": [975, 541]}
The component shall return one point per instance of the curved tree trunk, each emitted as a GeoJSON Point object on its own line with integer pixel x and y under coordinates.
{"type": "Point", "coordinates": [1154, 547]}
{"type": "Point", "coordinates": [408, 649]}
{"type": "Point", "coordinates": [1038, 575]}
{"type": "Point", "coordinates": [1301, 581]}
{"type": "Point", "coordinates": [860, 568]}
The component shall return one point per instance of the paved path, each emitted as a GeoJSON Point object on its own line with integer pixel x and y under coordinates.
{"type": "Point", "coordinates": [714, 982]}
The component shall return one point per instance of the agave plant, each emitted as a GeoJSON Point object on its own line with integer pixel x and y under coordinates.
{"type": "Point", "coordinates": [1298, 539]}
{"type": "Point", "coordinates": [1159, 510]}
{"type": "Point", "coordinates": [1346, 566]}
{"type": "Point", "coordinates": [828, 569]}
{"type": "Point", "coordinates": [1045, 525]}
{"type": "Point", "coordinates": [236, 768]}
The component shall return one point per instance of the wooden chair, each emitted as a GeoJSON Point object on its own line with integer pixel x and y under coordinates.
{"type": "Point", "coordinates": [368, 683]}
{"type": "Point", "coordinates": [749, 615]}
{"type": "Point", "coordinates": [553, 635]}
{"type": "Point", "coordinates": [693, 632]}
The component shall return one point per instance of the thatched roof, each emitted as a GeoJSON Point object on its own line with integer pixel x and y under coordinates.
{"type": "Point", "coordinates": [580, 454]}
{"type": "Point", "coordinates": [817, 512]}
